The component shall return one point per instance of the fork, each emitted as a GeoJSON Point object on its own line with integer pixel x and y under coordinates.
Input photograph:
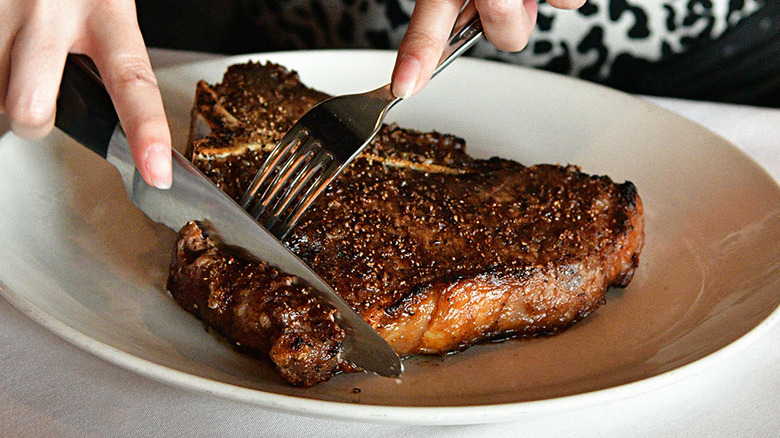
{"type": "Point", "coordinates": [324, 141]}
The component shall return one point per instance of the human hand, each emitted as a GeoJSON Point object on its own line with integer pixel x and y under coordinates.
{"type": "Point", "coordinates": [35, 39]}
{"type": "Point", "coordinates": [507, 24]}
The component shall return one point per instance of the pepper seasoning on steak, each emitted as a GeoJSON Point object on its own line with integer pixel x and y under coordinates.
{"type": "Point", "coordinates": [435, 249]}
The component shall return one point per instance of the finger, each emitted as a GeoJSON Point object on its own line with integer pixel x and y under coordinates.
{"type": "Point", "coordinates": [566, 4]}
{"type": "Point", "coordinates": [5, 68]}
{"type": "Point", "coordinates": [124, 65]}
{"type": "Point", "coordinates": [507, 23]}
{"type": "Point", "coordinates": [7, 35]}
{"type": "Point", "coordinates": [37, 56]}
{"type": "Point", "coordinates": [429, 28]}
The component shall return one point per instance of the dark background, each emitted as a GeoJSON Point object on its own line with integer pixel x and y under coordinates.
{"type": "Point", "coordinates": [743, 66]}
{"type": "Point", "coordinates": [217, 26]}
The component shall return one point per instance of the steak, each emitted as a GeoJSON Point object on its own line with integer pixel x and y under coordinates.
{"type": "Point", "coordinates": [435, 249]}
{"type": "Point", "coordinates": [258, 308]}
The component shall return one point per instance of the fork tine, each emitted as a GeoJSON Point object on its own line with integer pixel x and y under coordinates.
{"type": "Point", "coordinates": [283, 225]}
{"type": "Point", "coordinates": [340, 127]}
{"type": "Point", "coordinates": [285, 147]}
{"type": "Point", "coordinates": [310, 171]}
{"type": "Point", "coordinates": [287, 170]}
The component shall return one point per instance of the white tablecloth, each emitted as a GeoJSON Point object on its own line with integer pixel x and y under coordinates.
{"type": "Point", "coordinates": [51, 388]}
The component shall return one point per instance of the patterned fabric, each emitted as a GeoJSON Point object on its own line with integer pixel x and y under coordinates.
{"type": "Point", "coordinates": [719, 50]}
{"type": "Point", "coordinates": [586, 42]}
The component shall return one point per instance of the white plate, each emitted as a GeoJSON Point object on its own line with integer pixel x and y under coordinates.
{"type": "Point", "coordinates": [81, 260]}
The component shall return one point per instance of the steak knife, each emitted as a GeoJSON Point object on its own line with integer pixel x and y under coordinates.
{"type": "Point", "coordinates": [86, 114]}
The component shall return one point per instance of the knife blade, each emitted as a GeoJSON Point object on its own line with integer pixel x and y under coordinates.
{"type": "Point", "coordinates": [85, 112]}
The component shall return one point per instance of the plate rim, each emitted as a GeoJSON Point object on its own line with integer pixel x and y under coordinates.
{"type": "Point", "coordinates": [416, 415]}
{"type": "Point", "coordinates": [373, 413]}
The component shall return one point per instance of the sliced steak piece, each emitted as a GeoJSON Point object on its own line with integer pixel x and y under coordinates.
{"type": "Point", "coordinates": [435, 249]}
{"type": "Point", "coordinates": [258, 308]}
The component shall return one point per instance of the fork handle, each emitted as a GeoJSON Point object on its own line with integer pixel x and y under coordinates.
{"type": "Point", "coordinates": [461, 40]}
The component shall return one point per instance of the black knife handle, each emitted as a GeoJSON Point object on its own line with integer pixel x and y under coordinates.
{"type": "Point", "coordinates": [84, 108]}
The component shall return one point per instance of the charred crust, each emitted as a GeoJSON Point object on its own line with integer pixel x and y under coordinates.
{"type": "Point", "coordinates": [256, 307]}
{"type": "Point", "coordinates": [629, 193]}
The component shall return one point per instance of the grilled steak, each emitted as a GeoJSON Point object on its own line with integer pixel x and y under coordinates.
{"type": "Point", "coordinates": [435, 249]}
{"type": "Point", "coordinates": [259, 308]}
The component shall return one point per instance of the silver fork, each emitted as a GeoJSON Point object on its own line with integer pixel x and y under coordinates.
{"type": "Point", "coordinates": [323, 142]}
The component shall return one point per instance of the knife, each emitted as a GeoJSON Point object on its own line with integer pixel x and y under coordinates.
{"type": "Point", "coordinates": [86, 114]}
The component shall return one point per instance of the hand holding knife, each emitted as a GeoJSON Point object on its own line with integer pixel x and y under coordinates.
{"type": "Point", "coordinates": [85, 112]}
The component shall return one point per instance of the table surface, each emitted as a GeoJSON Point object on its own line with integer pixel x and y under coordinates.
{"type": "Point", "coordinates": [51, 388]}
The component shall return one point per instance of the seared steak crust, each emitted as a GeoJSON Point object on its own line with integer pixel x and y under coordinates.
{"type": "Point", "coordinates": [439, 261]}
{"type": "Point", "coordinates": [435, 249]}
{"type": "Point", "coordinates": [237, 122]}
{"type": "Point", "coordinates": [258, 308]}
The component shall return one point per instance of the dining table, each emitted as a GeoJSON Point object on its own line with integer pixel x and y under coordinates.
{"type": "Point", "coordinates": [51, 388]}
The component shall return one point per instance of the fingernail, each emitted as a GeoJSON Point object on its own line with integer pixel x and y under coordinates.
{"type": "Point", "coordinates": [406, 76]}
{"type": "Point", "coordinates": [158, 166]}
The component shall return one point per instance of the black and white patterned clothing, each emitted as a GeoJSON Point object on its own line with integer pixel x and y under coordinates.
{"type": "Point", "coordinates": [585, 42]}
{"type": "Point", "coordinates": [685, 48]}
